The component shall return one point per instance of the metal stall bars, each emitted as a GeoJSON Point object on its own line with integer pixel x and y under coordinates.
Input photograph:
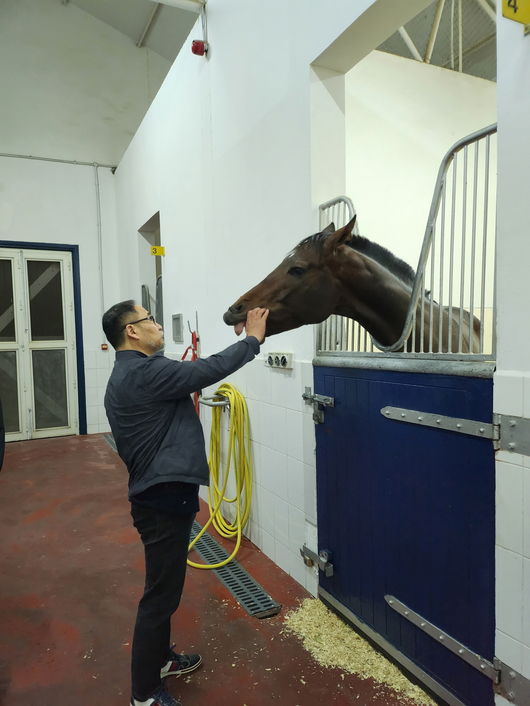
{"type": "Point", "coordinates": [339, 333]}
{"type": "Point", "coordinates": [455, 269]}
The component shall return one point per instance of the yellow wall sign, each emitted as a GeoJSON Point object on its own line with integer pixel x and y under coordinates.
{"type": "Point", "coordinates": [158, 250]}
{"type": "Point", "coordinates": [518, 10]}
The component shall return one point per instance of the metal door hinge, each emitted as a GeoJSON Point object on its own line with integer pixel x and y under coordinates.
{"type": "Point", "coordinates": [459, 649]}
{"type": "Point", "coordinates": [512, 685]}
{"type": "Point", "coordinates": [514, 433]}
{"type": "Point", "coordinates": [322, 559]}
{"type": "Point", "coordinates": [318, 401]}
{"type": "Point", "coordinates": [508, 433]}
{"type": "Point", "coordinates": [506, 681]}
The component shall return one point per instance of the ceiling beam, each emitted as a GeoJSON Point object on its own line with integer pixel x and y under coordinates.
{"type": "Point", "coordinates": [474, 48]}
{"type": "Point", "coordinates": [405, 36]}
{"type": "Point", "coordinates": [487, 9]}
{"type": "Point", "coordinates": [434, 31]}
{"type": "Point", "coordinates": [148, 25]}
{"type": "Point", "coordinates": [460, 26]}
{"type": "Point", "coordinates": [378, 22]}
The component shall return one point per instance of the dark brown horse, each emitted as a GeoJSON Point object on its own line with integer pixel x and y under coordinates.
{"type": "Point", "coordinates": [337, 272]}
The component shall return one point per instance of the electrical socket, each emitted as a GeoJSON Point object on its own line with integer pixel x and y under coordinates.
{"type": "Point", "coordinates": [279, 360]}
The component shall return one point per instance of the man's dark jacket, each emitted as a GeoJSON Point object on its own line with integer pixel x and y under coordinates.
{"type": "Point", "coordinates": [153, 420]}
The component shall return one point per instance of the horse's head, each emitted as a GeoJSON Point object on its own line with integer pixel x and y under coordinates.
{"type": "Point", "coordinates": [303, 289]}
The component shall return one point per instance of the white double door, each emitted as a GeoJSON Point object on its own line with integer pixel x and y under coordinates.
{"type": "Point", "coordinates": [38, 374]}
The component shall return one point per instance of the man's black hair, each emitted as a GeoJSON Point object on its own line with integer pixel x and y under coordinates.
{"type": "Point", "coordinates": [115, 319]}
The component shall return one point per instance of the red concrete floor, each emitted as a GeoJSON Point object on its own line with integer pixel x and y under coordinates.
{"type": "Point", "coordinates": [72, 573]}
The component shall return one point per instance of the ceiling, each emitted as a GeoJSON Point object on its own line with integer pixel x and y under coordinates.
{"type": "Point", "coordinates": [167, 27]}
{"type": "Point", "coordinates": [475, 23]}
{"type": "Point", "coordinates": [164, 29]}
{"type": "Point", "coordinates": [473, 20]}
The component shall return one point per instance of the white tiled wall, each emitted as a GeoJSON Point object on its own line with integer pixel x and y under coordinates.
{"type": "Point", "coordinates": [98, 365]}
{"type": "Point", "coordinates": [512, 396]}
{"type": "Point", "coordinates": [283, 515]}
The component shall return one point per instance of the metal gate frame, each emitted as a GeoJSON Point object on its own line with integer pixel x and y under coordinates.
{"type": "Point", "coordinates": [334, 334]}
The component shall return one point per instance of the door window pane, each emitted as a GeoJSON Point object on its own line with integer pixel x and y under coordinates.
{"type": "Point", "coordinates": [49, 389]}
{"type": "Point", "coordinates": [8, 390]}
{"type": "Point", "coordinates": [7, 317]}
{"type": "Point", "coordinates": [45, 300]}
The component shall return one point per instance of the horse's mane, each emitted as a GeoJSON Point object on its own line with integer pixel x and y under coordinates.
{"type": "Point", "coordinates": [384, 257]}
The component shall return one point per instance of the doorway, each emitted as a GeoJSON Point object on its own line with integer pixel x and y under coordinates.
{"type": "Point", "coordinates": [38, 366]}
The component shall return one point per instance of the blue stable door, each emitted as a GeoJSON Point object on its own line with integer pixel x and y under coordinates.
{"type": "Point", "coordinates": [409, 511]}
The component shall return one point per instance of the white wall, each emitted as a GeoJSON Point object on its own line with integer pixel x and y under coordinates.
{"type": "Point", "coordinates": [401, 118]}
{"type": "Point", "coordinates": [224, 155]}
{"type": "Point", "coordinates": [47, 202]}
{"type": "Point", "coordinates": [235, 154]}
{"type": "Point", "coordinates": [72, 87]}
{"type": "Point", "coordinates": [512, 379]}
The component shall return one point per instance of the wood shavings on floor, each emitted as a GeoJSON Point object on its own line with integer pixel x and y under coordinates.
{"type": "Point", "coordinates": [332, 643]}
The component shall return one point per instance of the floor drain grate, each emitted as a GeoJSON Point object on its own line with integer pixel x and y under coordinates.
{"type": "Point", "coordinates": [247, 592]}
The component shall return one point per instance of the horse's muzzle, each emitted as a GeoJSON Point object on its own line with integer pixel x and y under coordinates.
{"type": "Point", "coordinates": [235, 314]}
{"type": "Point", "coordinates": [231, 318]}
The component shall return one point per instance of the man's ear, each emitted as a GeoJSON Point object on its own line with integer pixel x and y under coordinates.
{"type": "Point", "coordinates": [339, 237]}
{"type": "Point", "coordinates": [130, 332]}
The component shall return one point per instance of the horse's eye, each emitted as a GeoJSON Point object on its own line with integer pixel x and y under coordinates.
{"type": "Point", "coordinates": [296, 271]}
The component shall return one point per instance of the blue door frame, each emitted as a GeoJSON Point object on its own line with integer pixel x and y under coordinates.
{"type": "Point", "coordinates": [74, 250]}
{"type": "Point", "coordinates": [409, 511]}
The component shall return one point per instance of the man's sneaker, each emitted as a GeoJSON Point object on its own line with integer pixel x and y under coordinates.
{"type": "Point", "coordinates": [161, 697]}
{"type": "Point", "coordinates": [180, 664]}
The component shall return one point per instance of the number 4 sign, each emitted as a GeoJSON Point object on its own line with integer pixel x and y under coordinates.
{"type": "Point", "coordinates": [518, 10]}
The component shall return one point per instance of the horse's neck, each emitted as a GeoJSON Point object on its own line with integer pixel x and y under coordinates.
{"type": "Point", "coordinates": [373, 296]}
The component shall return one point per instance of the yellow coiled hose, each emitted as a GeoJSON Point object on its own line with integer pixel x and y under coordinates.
{"type": "Point", "coordinates": [239, 451]}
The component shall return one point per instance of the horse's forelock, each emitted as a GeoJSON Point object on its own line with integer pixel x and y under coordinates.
{"type": "Point", "coordinates": [313, 241]}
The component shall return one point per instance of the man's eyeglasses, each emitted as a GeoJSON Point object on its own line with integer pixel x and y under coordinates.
{"type": "Point", "coordinates": [146, 318]}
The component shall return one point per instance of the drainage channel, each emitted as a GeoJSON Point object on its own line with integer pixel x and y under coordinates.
{"type": "Point", "coordinates": [247, 592]}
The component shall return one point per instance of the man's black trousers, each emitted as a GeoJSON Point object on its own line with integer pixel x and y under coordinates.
{"type": "Point", "coordinates": [165, 538]}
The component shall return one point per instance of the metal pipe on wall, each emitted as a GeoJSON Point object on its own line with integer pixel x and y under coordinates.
{"type": "Point", "coordinates": [100, 240]}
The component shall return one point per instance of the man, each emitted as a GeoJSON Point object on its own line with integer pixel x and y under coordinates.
{"type": "Point", "coordinates": [159, 437]}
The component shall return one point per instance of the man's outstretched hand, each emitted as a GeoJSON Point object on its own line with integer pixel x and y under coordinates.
{"type": "Point", "coordinates": [256, 323]}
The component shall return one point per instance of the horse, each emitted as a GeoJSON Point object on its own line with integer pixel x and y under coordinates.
{"type": "Point", "coordinates": [339, 272]}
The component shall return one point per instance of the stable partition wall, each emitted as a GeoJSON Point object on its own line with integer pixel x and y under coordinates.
{"type": "Point", "coordinates": [512, 377]}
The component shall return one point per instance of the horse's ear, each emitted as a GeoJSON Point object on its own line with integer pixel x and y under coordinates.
{"type": "Point", "coordinates": [340, 236]}
{"type": "Point", "coordinates": [351, 225]}
{"type": "Point", "coordinates": [329, 229]}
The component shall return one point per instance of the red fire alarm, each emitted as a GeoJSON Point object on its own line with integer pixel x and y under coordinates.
{"type": "Point", "coordinates": [104, 347]}
{"type": "Point", "coordinates": [199, 47]}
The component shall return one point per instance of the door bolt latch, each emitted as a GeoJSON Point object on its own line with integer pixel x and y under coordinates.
{"type": "Point", "coordinates": [322, 559]}
{"type": "Point", "coordinates": [318, 402]}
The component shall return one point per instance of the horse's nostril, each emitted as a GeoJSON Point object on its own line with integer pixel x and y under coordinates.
{"type": "Point", "coordinates": [235, 308]}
